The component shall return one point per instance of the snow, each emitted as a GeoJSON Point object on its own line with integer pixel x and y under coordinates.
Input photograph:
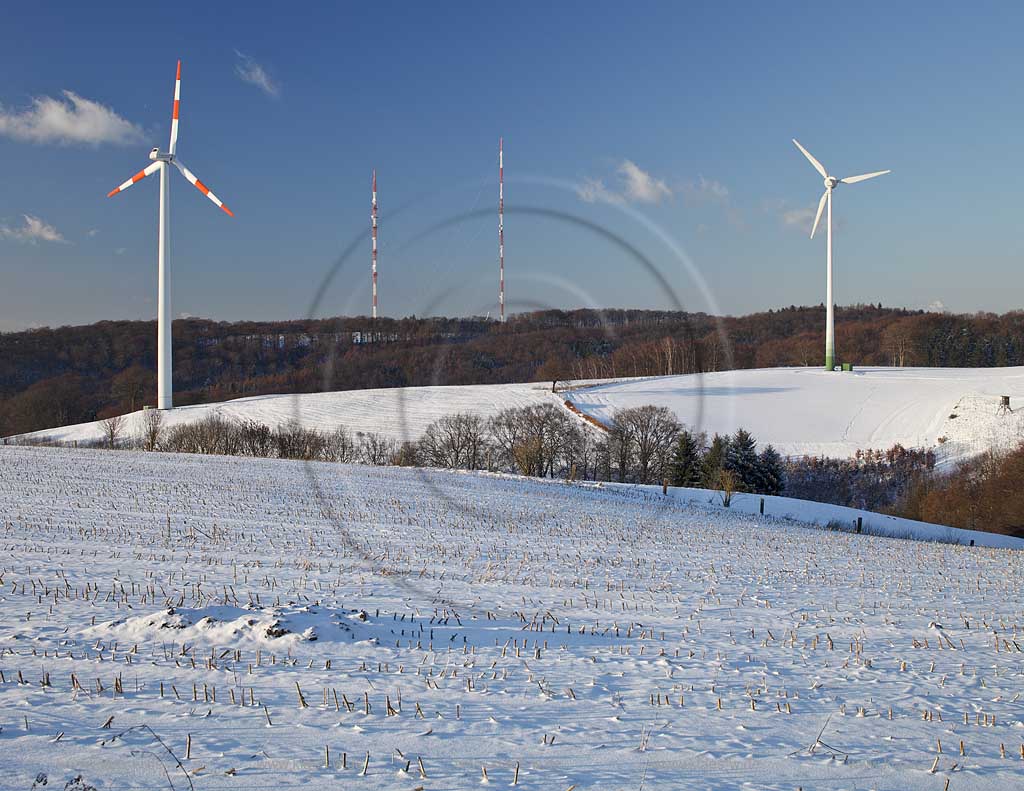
{"type": "Point", "coordinates": [835, 516]}
{"type": "Point", "coordinates": [597, 637]}
{"type": "Point", "coordinates": [801, 411]}
{"type": "Point", "coordinates": [809, 411]}
{"type": "Point", "coordinates": [402, 413]}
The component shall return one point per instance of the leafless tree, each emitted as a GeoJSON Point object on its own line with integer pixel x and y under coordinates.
{"type": "Point", "coordinates": [377, 449]}
{"type": "Point", "coordinates": [152, 428]}
{"type": "Point", "coordinates": [455, 441]}
{"type": "Point", "coordinates": [340, 446]}
{"type": "Point", "coordinates": [642, 439]}
{"type": "Point", "coordinates": [112, 428]}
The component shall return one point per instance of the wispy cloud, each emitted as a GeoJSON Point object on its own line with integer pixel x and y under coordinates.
{"type": "Point", "coordinates": [92, 232]}
{"type": "Point", "coordinates": [68, 121]}
{"type": "Point", "coordinates": [595, 191]}
{"type": "Point", "coordinates": [801, 218]}
{"type": "Point", "coordinates": [635, 185]}
{"type": "Point", "coordinates": [705, 191]}
{"type": "Point", "coordinates": [248, 70]}
{"type": "Point", "coordinates": [33, 231]}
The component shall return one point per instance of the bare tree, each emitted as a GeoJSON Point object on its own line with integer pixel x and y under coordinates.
{"type": "Point", "coordinates": [152, 428]}
{"type": "Point", "coordinates": [339, 446]}
{"type": "Point", "coordinates": [111, 428]}
{"type": "Point", "coordinates": [643, 439]}
{"type": "Point", "coordinates": [377, 449]}
{"type": "Point", "coordinates": [455, 441]}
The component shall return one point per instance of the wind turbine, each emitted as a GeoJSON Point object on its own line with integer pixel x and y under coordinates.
{"type": "Point", "coordinates": [831, 182]}
{"type": "Point", "coordinates": [164, 398]}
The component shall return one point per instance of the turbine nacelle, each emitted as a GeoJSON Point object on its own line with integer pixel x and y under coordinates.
{"type": "Point", "coordinates": [831, 182]}
{"type": "Point", "coordinates": [157, 156]}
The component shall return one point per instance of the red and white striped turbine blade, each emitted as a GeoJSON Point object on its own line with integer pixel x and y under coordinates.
{"type": "Point", "coordinates": [137, 177]}
{"type": "Point", "coordinates": [174, 112]}
{"type": "Point", "coordinates": [200, 186]}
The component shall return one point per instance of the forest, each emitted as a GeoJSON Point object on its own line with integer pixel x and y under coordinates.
{"type": "Point", "coordinates": [51, 377]}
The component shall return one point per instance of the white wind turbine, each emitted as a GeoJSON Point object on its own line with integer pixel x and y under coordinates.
{"type": "Point", "coordinates": [160, 162]}
{"type": "Point", "coordinates": [831, 182]}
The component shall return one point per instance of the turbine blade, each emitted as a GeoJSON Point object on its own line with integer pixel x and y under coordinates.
{"type": "Point", "coordinates": [200, 186]}
{"type": "Point", "coordinates": [865, 177]}
{"type": "Point", "coordinates": [153, 168]}
{"type": "Point", "coordinates": [817, 165]}
{"type": "Point", "coordinates": [821, 207]}
{"type": "Point", "coordinates": [174, 113]}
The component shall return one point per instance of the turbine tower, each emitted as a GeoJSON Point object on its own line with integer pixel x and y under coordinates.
{"type": "Point", "coordinates": [501, 231]}
{"type": "Point", "coordinates": [831, 182]}
{"type": "Point", "coordinates": [373, 222]}
{"type": "Point", "coordinates": [161, 160]}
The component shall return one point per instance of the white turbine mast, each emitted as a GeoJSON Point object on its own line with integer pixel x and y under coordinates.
{"type": "Point", "coordinates": [165, 398]}
{"type": "Point", "coordinates": [831, 182]}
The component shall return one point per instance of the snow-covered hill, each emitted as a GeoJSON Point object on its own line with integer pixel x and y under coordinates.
{"type": "Point", "coordinates": [799, 410]}
{"type": "Point", "coordinates": [814, 412]}
{"type": "Point", "coordinates": [274, 624]}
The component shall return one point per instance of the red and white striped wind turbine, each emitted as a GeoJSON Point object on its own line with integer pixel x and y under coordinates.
{"type": "Point", "coordinates": [373, 221]}
{"type": "Point", "coordinates": [501, 230]}
{"type": "Point", "coordinates": [161, 160]}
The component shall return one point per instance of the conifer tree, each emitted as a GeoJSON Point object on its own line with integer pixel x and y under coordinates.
{"type": "Point", "coordinates": [742, 461]}
{"type": "Point", "coordinates": [686, 467]}
{"type": "Point", "coordinates": [714, 461]}
{"type": "Point", "coordinates": [772, 477]}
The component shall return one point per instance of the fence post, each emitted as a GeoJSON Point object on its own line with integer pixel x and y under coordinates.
{"type": "Point", "coordinates": [664, 486]}
{"type": "Point", "coordinates": [860, 520]}
{"type": "Point", "coordinates": [762, 506]}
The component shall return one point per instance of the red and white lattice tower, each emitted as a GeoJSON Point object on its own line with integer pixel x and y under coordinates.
{"type": "Point", "coordinates": [501, 230]}
{"type": "Point", "coordinates": [373, 219]}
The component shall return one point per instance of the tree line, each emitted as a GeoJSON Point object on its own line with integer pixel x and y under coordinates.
{"type": "Point", "coordinates": [53, 377]}
{"type": "Point", "coordinates": [645, 445]}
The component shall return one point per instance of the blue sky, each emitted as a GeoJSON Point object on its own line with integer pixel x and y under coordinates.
{"type": "Point", "coordinates": [665, 125]}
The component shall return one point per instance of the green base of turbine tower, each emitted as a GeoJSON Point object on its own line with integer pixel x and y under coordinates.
{"type": "Point", "coordinates": [830, 362]}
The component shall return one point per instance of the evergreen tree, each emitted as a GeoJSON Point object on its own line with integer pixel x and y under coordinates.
{"type": "Point", "coordinates": [686, 468]}
{"type": "Point", "coordinates": [714, 461]}
{"type": "Point", "coordinates": [772, 477]}
{"type": "Point", "coordinates": [742, 461]}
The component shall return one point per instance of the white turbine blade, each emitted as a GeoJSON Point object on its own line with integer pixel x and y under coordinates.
{"type": "Point", "coordinates": [200, 186]}
{"type": "Point", "coordinates": [174, 114]}
{"type": "Point", "coordinates": [821, 207]}
{"type": "Point", "coordinates": [817, 165]}
{"type": "Point", "coordinates": [137, 177]}
{"type": "Point", "coordinates": [865, 177]}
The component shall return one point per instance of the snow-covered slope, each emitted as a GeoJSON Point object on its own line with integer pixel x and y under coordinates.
{"type": "Point", "coordinates": [814, 412]}
{"type": "Point", "coordinates": [274, 624]}
{"type": "Point", "coordinates": [401, 413]}
{"type": "Point", "coordinates": [799, 410]}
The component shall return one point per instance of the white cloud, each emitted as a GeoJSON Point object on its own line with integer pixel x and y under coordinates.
{"type": "Point", "coordinates": [32, 231]}
{"type": "Point", "coordinates": [120, 251]}
{"type": "Point", "coordinates": [92, 232]}
{"type": "Point", "coordinates": [938, 306]}
{"type": "Point", "coordinates": [641, 186]}
{"type": "Point", "coordinates": [248, 70]}
{"type": "Point", "coordinates": [73, 119]}
{"type": "Point", "coordinates": [635, 186]}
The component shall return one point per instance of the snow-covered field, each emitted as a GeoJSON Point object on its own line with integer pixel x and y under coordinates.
{"type": "Point", "coordinates": [809, 411]}
{"type": "Point", "coordinates": [402, 413]}
{"type": "Point", "coordinates": [468, 625]}
{"type": "Point", "coordinates": [799, 410]}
